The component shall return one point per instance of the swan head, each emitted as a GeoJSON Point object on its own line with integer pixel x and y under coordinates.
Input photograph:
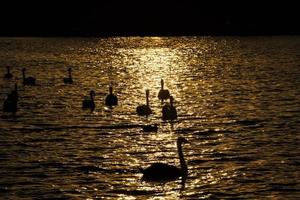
{"type": "Point", "coordinates": [70, 69]}
{"type": "Point", "coordinates": [24, 69]}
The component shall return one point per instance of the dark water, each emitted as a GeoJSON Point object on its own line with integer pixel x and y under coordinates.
{"type": "Point", "coordinates": [238, 104]}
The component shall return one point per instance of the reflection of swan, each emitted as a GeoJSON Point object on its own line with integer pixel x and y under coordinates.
{"type": "Point", "coordinates": [89, 103]}
{"type": "Point", "coordinates": [169, 111]}
{"type": "Point", "coordinates": [27, 80]}
{"type": "Point", "coordinates": [164, 172]}
{"type": "Point", "coordinates": [111, 99]}
{"type": "Point", "coordinates": [8, 75]}
{"type": "Point", "coordinates": [144, 109]}
{"type": "Point", "coordinates": [69, 80]}
{"type": "Point", "coordinates": [163, 94]}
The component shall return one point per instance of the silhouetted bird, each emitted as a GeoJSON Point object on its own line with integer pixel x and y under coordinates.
{"type": "Point", "coordinates": [14, 93]}
{"type": "Point", "coordinates": [68, 80]}
{"type": "Point", "coordinates": [169, 111]}
{"type": "Point", "coordinates": [143, 110]}
{"type": "Point", "coordinates": [166, 172]}
{"type": "Point", "coordinates": [111, 99]}
{"type": "Point", "coordinates": [163, 94]}
{"type": "Point", "coordinates": [89, 103]}
{"type": "Point", "coordinates": [8, 75]}
{"type": "Point", "coordinates": [11, 101]}
{"type": "Point", "coordinates": [27, 80]}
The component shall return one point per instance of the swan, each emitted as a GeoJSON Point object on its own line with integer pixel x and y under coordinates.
{"type": "Point", "coordinates": [169, 111]}
{"type": "Point", "coordinates": [11, 101]}
{"type": "Point", "coordinates": [111, 99]}
{"type": "Point", "coordinates": [89, 103]}
{"type": "Point", "coordinates": [8, 75]}
{"type": "Point", "coordinates": [163, 94]}
{"type": "Point", "coordinates": [69, 80]}
{"type": "Point", "coordinates": [144, 109]}
{"type": "Point", "coordinates": [10, 105]}
{"type": "Point", "coordinates": [14, 93]}
{"type": "Point", "coordinates": [27, 80]}
{"type": "Point", "coordinates": [165, 172]}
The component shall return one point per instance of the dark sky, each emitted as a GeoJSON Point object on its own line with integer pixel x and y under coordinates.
{"type": "Point", "coordinates": [104, 18]}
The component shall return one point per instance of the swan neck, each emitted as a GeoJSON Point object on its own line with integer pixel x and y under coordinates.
{"type": "Point", "coordinates": [23, 73]}
{"type": "Point", "coordinates": [8, 71]}
{"type": "Point", "coordinates": [162, 84]}
{"type": "Point", "coordinates": [70, 75]}
{"type": "Point", "coordinates": [92, 97]}
{"type": "Point", "coordinates": [110, 90]}
{"type": "Point", "coordinates": [147, 99]}
{"type": "Point", "coordinates": [183, 166]}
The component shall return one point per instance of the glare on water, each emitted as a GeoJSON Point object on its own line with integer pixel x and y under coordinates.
{"type": "Point", "coordinates": [237, 101]}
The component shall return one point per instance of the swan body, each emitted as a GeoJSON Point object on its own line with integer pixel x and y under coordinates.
{"type": "Point", "coordinates": [111, 99]}
{"type": "Point", "coordinates": [144, 110]}
{"type": "Point", "coordinates": [89, 103]}
{"type": "Point", "coordinates": [8, 75]}
{"type": "Point", "coordinates": [165, 172]}
{"type": "Point", "coordinates": [169, 112]}
{"type": "Point", "coordinates": [69, 80]}
{"type": "Point", "coordinates": [163, 94]}
{"type": "Point", "coordinates": [27, 80]}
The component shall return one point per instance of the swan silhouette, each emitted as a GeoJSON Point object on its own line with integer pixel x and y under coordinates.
{"type": "Point", "coordinates": [14, 93]}
{"type": "Point", "coordinates": [8, 75]}
{"type": "Point", "coordinates": [27, 80]}
{"type": "Point", "coordinates": [163, 94]}
{"type": "Point", "coordinates": [166, 172]}
{"type": "Point", "coordinates": [10, 104]}
{"type": "Point", "coordinates": [69, 80]}
{"type": "Point", "coordinates": [89, 103]}
{"type": "Point", "coordinates": [111, 99]}
{"type": "Point", "coordinates": [169, 111]}
{"type": "Point", "coordinates": [143, 110]}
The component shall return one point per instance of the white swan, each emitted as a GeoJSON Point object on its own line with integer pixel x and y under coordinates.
{"type": "Point", "coordinates": [163, 94]}
{"type": "Point", "coordinates": [169, 112]}
{"type": "Point", "coordinates": [144, 110]}
{"type": "Point", "coordinates": [165, 172]}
